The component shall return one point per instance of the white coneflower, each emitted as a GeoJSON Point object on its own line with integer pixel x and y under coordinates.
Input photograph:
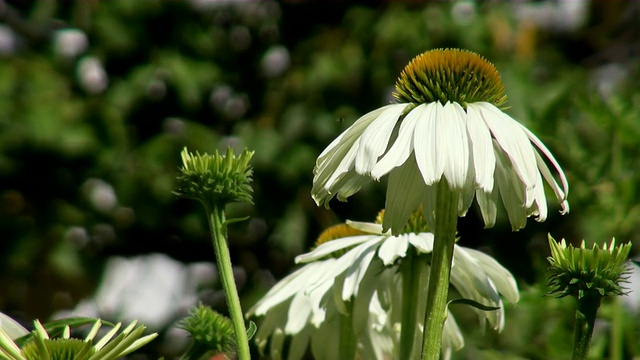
{"type": "Point", "coordinates": [357, 277]}
{"type": "Point", "coordinates": [447, 125]}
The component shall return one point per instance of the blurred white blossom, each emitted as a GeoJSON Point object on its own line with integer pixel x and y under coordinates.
{"type": "Point", "coordinates": [91, 75]}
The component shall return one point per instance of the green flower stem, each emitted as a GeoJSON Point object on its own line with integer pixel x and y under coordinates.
{"type": "Point", "coordinates": [441, 259]}
{"type": "Point", "coordinates": [412, 284]}
{"type": "Point", "coordinates": [348, 340]}
{"type": "Point", "coordinates": [585, 318]}
{"type": "Point", "coordinates": [218, 226]}
{"type": "Point", "coordinates": [616, 344]}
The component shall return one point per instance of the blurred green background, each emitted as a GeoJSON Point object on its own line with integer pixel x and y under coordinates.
{"type": "Point", "coordinates": [97, 98]}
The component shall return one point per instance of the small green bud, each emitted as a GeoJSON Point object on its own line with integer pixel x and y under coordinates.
{"type": "Point", "coordinates": [582, 272]}
{"type": "Point", "coordinates": [216, 179]}
{"type": "Point", "coordinates": [212, 333]}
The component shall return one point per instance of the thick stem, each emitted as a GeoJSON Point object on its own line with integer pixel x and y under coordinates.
{"type": "Point", "coordinates": [586, 312]}
{"type": "Point", "coordinates": [411, 284]}
{"type": "Point", "coordinates": [218, 228]}
{"type": "Point", "coordinates": [441, 259]}
{"type": "Point", "coordinates": [348, 341]}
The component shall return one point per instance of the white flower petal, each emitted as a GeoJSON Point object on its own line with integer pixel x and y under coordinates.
{"type": "Point", "coordinates": [472, 283]}
{"type": "Point", "coordinates": [561, 194]}
{"type": "Point", "coordinates": [484, 160]}
{"type": "Point", "coordinates": [392, 248]}
{"type": "Point", "coordinates": [402, 146]}
{"type": "Point", "coordinates": [454, 144]}
{"type": "Point", "coordinates": [501, 277]}
{"type": "Point", "coordinates": [539, 206]}
{"type": "Point", "coordinates": [342, 167]}
{"type": "Point", "coordinates": [330, 247]}
{"type": "Point", "coordinates": [423, 242]}
{"type": "Point", "coordinates": [299, 313]}
{"type": "Point", "coordinates": [372, 228]}
{"type": "Point", "coordinates": [375, 138]}
{"type": "Point", "coordinates": [405, 192]}
{"type": "Point", "coordinates": [340, 145]}
{"type": "Point", "coordinates": [358, 264]}
{"type": "Point", "coordinates": [465, 199]}
{"type": "Point", "coordinates": [287, 288]}
{"type": "Point", "coordinates": [513, 140]}
{"type": "Point", "coordinates": [428, 156]}
{"type": "Point", "coordinates": [362, 313]}
{"type": "Point", "coordinates": [512, 191]}
{"type": "Point", "coordinates": [488, 204]}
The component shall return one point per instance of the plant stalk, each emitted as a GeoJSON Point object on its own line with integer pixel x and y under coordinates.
{"type": "Point", "coordinates": [586, 312]}
{"type": "Point", "coordinates": [446, 218]}
{"type": "Point", "coordinates": [348, 341]}
{"type": "Point", "coordinates": [218, 226]}
{"type": "Point", "coordinates": [410, 290]}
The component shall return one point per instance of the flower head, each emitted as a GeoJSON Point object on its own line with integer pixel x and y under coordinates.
{"type": "Point", "coordinates": [582, 272]}
{"type": "Point", "coordinates": [215, 179]}
{"type": "Point", "coordinates": [448, 127]}
{"type": "Point", "coordinates": [41, 346]}
{"type": "Point", "coordinates": [357, 275]}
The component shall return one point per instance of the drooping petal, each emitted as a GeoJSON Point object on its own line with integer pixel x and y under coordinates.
{"type": "Point", "coordinates": [340, 145]}
{"type": "Point", "coordinates": [561, 194]}
{"type": "Point", "coordinates": [484, 160]}
{"type": "Point", "coordinates": [428, 156]}
{"type": "Point", "coordinates": [345, 165]}
{"type": "Point", "coordinates": [405, 191]}
{"type": "Point", "coordinates": [513, 140]}
{"type": "Point", "coordinates": [366, 296]}
{"type": "Point", "coordinates": [473, 283]}
{"type": "Point", "coordinates": [359, 260]}
{"type": "Point", "coordinates": [349, 184]}
{"type": "Point", "coordinates": [299, 313]}
{"type": "Point", "coordinates": [511, 191]}
{"type": "Point", "coordinates": [501, 277]}
{"type": "Point", "coordinates": [465, 199]}
{"type": "Point", "coordinates": [402, 147]}
{"type": "Point", "coordinates": [539, 205]}
{"type": "Point", "coordinates": [375, 138]}
{"type": "Point", "coordinates": [488, 203]}
{"type": "Point", "coordinates": [454, 144]}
